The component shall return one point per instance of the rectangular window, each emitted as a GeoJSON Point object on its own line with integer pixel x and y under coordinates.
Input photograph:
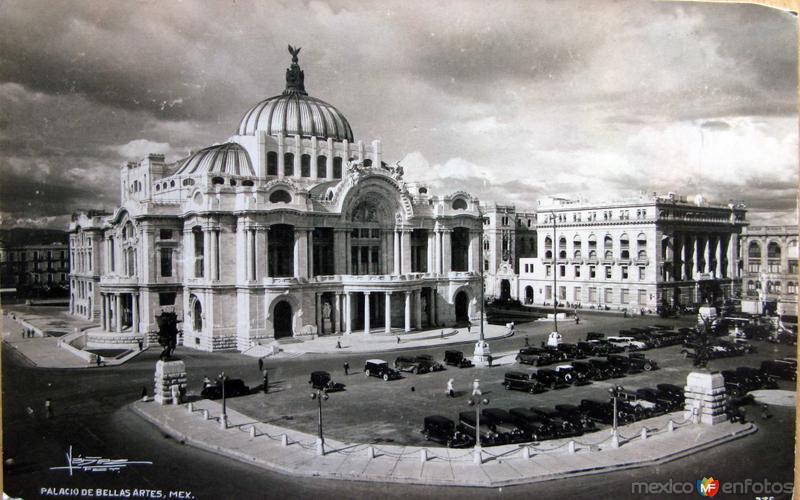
{"type": "Point", "coordinates": [548, 292]}
{"type": "Point", "coordinates": [547, 270]}
{"type": "Point", "coordinates": [608, 296]}
{"type": "Point", "coordinates": [641, 274]}
{"type": "Point", "coordinates": [576, 294]}
{"type": "Point", "coordinates": [608, 272]}
{"type": "Point", "coordinates": [642, 297]}
{"type": "Point", "coordinates": [625, 296]}
{"type": "Point", "coordinates": [165, 234]}
{"type": "Point", "coordinates": [562, 293]}
{"type": "Point", "coordinates": [793, 267]}
{"type": "Point", "coordinates": [198, 254]}
{"type": "Point", "coordinates": [592, 272]}
{"type": "Point", "coordinates": [624, 272]}
{"type": "Point", "coordinates": [754, 267]}
{"type": "Point", "coordinates": [562, 271]}
{"type": "Point", "coordinates": [592, 294]}
{"type": "Point", "coordinates": [577, 271]}
{"type": "Point", "coordinates": [166, 299]}
{"type": "Point", "coordinates": [166, 262]}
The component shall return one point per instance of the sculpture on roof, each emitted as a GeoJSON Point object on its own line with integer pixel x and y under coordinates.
{"type": "Point", "coordinates": [294, 51]}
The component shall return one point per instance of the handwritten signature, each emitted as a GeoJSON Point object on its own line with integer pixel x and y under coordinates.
{"type": "Point", "coordinates": [97, 464]}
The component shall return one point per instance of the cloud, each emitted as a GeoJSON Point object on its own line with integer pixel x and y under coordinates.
{"type": "Point", "coordinates": [139, 148]}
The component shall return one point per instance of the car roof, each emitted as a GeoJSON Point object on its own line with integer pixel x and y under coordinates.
{"type": "Point", "coordinates": [375, 361]}
{"type": "Point", "coordinates": [517, 374]}
{"type": "Point", "coordinates": [320, 373]}
{"type": "Point", "coordinates": [438, 418]}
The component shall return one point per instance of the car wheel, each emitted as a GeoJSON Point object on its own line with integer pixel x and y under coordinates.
{"type": "Point", "coordinates": [449, 443]}
{"type": "Point", "coordinates": [366, 373]}
{"type": "Point", "coordinates": [385, 377]}
{"type": "Point", "coordinates": [553, 385]}
{"type": "Point", "coordinates": [648, 367]}
{"type": "Point", "coordinates": [507, 386]}
{"type": "Point", "coordinates": [414, 370]}
{"type": "Point", "coordinates": [427, 436]}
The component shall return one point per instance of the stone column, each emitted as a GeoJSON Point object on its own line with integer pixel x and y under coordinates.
{"type": "Point", "coordinates": [720, 257]}
{"type": "Point", "coordinates": [207, 253]}
{"type": "Point", "coordinates": [366, 313]}
{"type": "Point", "coordinates": [337, 314]}
{"type": "Point", "coordinates": [438, 250]}
{"type": "Point", "coordinates": [135, 315]}
{"type": "Point", "coordinates": [733, 244]}
{"type": "Point", "coordinates": [696, 253]}
{"type": "Point", "coordinates": [103, 317]}
{"type": "Point", "coordinates": [348, 250]}
{"type": "Point", "coordinates": [348, 317]}
{"type": "Point", "coordinates": [318, 313]}
{"type": "Point", "coordinates": [301, 253]}
{"type": "Point", "coordinates": [281, 151]}
{"type": "Point", "coordinates": [340, 251]}
{"type": "Point", "coordinates": [407, 326]}
{"type": "Point", "coordinates": [329, 162]}
{"type": "Point", "coordinates": [262, 249]}
{"type": "Point", "coordinates": [688, 260]}
{"type": "Point", "coordinates": [311, 251]}
{"type": "Point", "coordinates": [248, 254]}
{"type": "Point", "coordinates": [211, 256]}
{"type": "Point", "coordinates": [446, 252]}
{"type": "Point", "coordinates": [418, 309]}
{"type": "Point", "coordinates": [387, 323]}
{"type": "Point", "coordinates": [405, 238]}
{"type": "Point", "coordinates": [117, 313]}
{"type": "Point", "coordinates": [396, 252]}
{"type": "Point", "coordinates": [431, 252]}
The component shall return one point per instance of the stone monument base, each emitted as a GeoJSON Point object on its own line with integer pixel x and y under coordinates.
{"type": "Point", "coordinates": [482, 355]}
{"type": "Point", "coordinates": [705, 398]}
{"type": "Point", "coordinates": [170, 380]}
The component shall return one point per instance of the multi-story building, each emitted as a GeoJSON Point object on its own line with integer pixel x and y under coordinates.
{"type": "Point", "coordinates": [508, 236]}
{"type": "Point", "coordinates": [88, 259]}
{"type": "Point", "coordinates": [289, 227]}
{"type": "Point", "coordinates": [34, 266]}
{"type": "Point", "coordinates": [770, 270]}
{"type": "Point", "coordinates": [633, 254]}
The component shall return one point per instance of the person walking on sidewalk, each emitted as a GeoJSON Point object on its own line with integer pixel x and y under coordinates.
{"type": "Point", "coordinates": [346, 368]}
{"type": "Point", "coordinates": [140, 344]}
{"type": "Point", "coordinates": [266, 382]}
{"type": "Point", "coordinates": [469, 327]}
{"type": "Point", "coordinates": [476, 387]}
{"type": "Point", "coordinates": [48, 408]}
{"type": "Point", "coordinates": [450, 389]}
{"type": "Point", "coordinates": [260, 365]}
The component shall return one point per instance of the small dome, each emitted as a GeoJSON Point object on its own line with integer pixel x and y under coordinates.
{"type": "Point", "coordinates": [229, 158]}
{"type": "Point", "coordinates": [294, 112]}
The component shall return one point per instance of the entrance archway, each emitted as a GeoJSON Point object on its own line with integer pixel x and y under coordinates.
{"type": "Point", "coordinates": [505, 290]}
{"type": "Point", "coordinates": [462, 307]}
{"type": "Point", "coordinates": [529, 295]}
{"type": "Point", "coordinates": [283, 319]}
{"type": "Point", "coordinates": [197, 316]}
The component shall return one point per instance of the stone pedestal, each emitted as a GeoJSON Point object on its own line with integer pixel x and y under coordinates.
{"type": "Point", "coordinates": [482, 354]}
{"type": "Point", "coordinates": [169, 374]}
{"type": "Point", "coordinates": [705, 398]}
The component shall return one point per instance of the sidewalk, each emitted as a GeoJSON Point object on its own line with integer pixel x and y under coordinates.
{"type": "Point", "coordinates": [295, 453]}
{"type": "Point", "coordinates": [381, 341]}
{"type": "Point", "coordinates": [43, 352]}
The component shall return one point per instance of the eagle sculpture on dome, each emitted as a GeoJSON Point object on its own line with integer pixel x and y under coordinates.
{"type": "Point", "coordinates": [294, 51]}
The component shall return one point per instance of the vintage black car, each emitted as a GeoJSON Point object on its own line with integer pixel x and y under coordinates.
{"type": "Point", "coordinates": [417, 364]}
{"type": "Point", "coordinates": [639, 361]}
{"type": "Point", "coordinates": [551, 378]}
{"type": "Point", "coordinates": [603, 411]}
{"type": "Point", "coordinates": [606, 369]}
{"type": "Point", "coordinates": [535, 427]}
{"type": "Point", "coordinates": [535, 356]}
{"type": "Point", "coordinates": [571, 375]}
{"type": "Point", "coordinates": [572, 351]}
{"type": "Point", "coordinates": [443, 430]}
{"type": "Point", "coordinates": [779, 369]}
{"type": "Point", "coordinates": [671, 391]}
{"type": "Point", "coordinates": [233, 387]}
{"type": "Point", "coordinates": [466, 425]}
{"type": "Point", "coordinates": [663, 401]}
{"type": "Point", "coordinates": [322, 380]}
{"type": "Point", "coordinates": [504, 424]}
{"type": "Point", "coordinates": [574, 415]}
{"type": "Point", "coordinates": [595, 336]}
{"type": "Point", "coordinates": [562, 427]}
{"type": "Point", "coordinates": [427, 361]}
{"type": "Point", "coordinates": [522, 381]}
{"type": "Point", "coordinates": [456, 358]}
{"type": "Point", "coordinates": [589, 372]}
{"type": "Point", "coordinates": [736, 384]}
{"type": "Point", "coordinates": [758, 379]}
{"type": "Point", "coordinates": [381, 369]}
{"type": "Point", "coordinates": [623, 362]}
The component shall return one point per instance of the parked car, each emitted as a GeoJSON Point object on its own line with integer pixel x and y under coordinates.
{"type": "Point", "coordinates": [574, 415]}
{"type": "Point", "coordinates": [606, 369]}
{"type": "Point", "coordinates": [758, 378]}
{"type": "Point", "coordinates": [233, 387]}
{"type": "Point", "coordinates": [628, 343]}
{"type": "Point", "coordinates": [322, 380]}
{"type": "Point", "coordinates": [662, 401]}
{"type": "Point", "coordinates": [504, 424]}
{"type": "Point", "coordinates": [417, 364]}
{"type": "Point", "coordinates": [603, 411]}
{"type": "Point", "coordinates": [672, 391]}
{"type": "Point", "coordinates": [535, 356]}
{"type": "Point", "coordinates": [587, 370]}
{"type": "Point", "coordinates": [595, 336]}
{"type": "Point", "coordinates": [551, 378]}
{"type": "Point", "coordinates": [535, 427]}
{"type": "Point", "coordinates": [638, 360]}
{"type": "Point", "coordinates": [466, 425]}
{"type": "Point", "coordinates": [736, 384]}
{"type": "Point", "coordinates": [456, 358]}
{"type": "Point", "coordinates": [571, 375]}
{"type": "Point", "coordinates": [381, 369]}
{"type": "Point", "coordinates": [427, 361]}
{"type": "Point", "coordinates": [779, 369]}
{"type": "Point", "coordinates": [523, 381]}
{"type": "Point", "coordinates": [572, 351]}
{"type": "Point", "coordinates": [623, 362]}
{"type": "Point", "coordinates": [563, 427]}
{"type": "Point", "coordinates": [443, 430]}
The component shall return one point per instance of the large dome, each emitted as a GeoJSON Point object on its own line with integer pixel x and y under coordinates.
{"type": "Point", "coordinates": [229, 158]}
{"type": "Point", "coordinates": [294, 112]}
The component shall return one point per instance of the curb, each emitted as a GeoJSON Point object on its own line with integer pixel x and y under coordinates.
{"type": "Point", "coordinates": [295, 470]}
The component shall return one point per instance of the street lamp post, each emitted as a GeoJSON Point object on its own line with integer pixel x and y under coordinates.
{"type": "Point", "coordinates": [222, 378]}
{"type": "Point", "coordinates": [614, 391]}
{"type": "Point", "coordinates": [482, 353]}
{"type": "Point", "coordinates": [555, 288]}
{"type": "Point", "coordinates": [477, 403]}
{"type": "Point", "coordinates": [320, 395]}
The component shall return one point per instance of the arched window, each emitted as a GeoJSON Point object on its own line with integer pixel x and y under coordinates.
{"type": "Point", "coordinates": [280, 196]}
{"type": "Point", "coordinates": [322, 167]}
{"type": "Point", "coordinates": [754, 250]}
{"type": "Point", "coordinates": [423, 190]}
{"type": "Point", "coordinates": [577, 255]}
{"type": "Point", "coordinates": [197, 315]}
{"type": "Point", "coordinates": [247, 182]}
{"type": "Point", "coordinates": [624, 247]}
{"type": "Point", "coordinates": [288, 164]}
{"type": "Point", "coordinates": [642, 255]}
{"type": "Point", "coordinates": [337, 167]}
{"type": "Point", "coordinates": [158, 187]}
{"type": "Point", "coordinates": [188, 182]}
{"type": "Point", "coordinates": [773, 250]}
{"type": "Point", "coordinates": [172, 184]}
{"type": "Point", "coordinates": [272, 163]}
{"type": "Point", "coordinates": [305, 166]}
{"type": "Point", "coordinates": [217, 180]}
{"type": "Point", "coordinates": [367, 162]}
{"type": "Point", "coordinates": [608, 243]}
{"type": "Point", "coordinates": [232, 182]}
{"type": "Point", "coordinates": [459, 204]}
{"type": "Point", "coordinates": [609, 255]}
{"type": "Point", "coordinates": [592, 254]}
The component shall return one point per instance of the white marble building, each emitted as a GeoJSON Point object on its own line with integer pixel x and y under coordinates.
{"type": "Point", "coordinates": [633, 254]}
{"type": "Point", "coordinates": [290, 227]}
{"type": "Point", "coordinates": [770, 270]}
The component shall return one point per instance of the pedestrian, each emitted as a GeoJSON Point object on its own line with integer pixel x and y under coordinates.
{"type": "Point", "coordinates": [577, 320]}
{"type": "Point", "coordinates": [412, 388]}
{"type": "Point", "coordinates": [476, 387]}
{"type": "Point", "coordinates": [469, 327]}
{"type": "Point", "coordinates": [206, 381]}
{"type": "Point", "coordinates": [260, 365]}
{"type": "Point", "coordinates": [144, 393]}
{"type": "Point", "coordinates": [526, 342]}
{"type": "Point", "coordinates": [346, 368]}
{"type": "Point", "coordinates": [338, 344]}
{"type": "Point", "coordinates": [441, 336]}
{"type": "Point", "coordinates": [765, 412]}
{"type": "Point", "coordinates": [140, 344]}
{"type": "Point", "coordinates": [398, 339]}
{"type": "Point", "coordinates": [489, 357]}
{"type": "Point", "coordinates": [451, 392]}
{"type": "Point", "coordinates": [266, 382]}
{"type": "Point", "coordinates": [98, 359]}
{"type": "Point", "coordinates": [624, 313]}
{"type": "Point", "coordinates": [48, 408]}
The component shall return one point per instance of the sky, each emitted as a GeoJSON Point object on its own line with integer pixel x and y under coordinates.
{"type": "Point", "coordinates": [512, 101]}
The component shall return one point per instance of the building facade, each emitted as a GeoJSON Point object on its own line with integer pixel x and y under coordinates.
{"type": "Point", "coordinates": [86, 243]}
{"type": "Point", "coordinates": [770, 271]}
{"type": "Point", "coordinates": [633, 254]}
{"type": "Point", "coordinates": [508, 237]}
{"type": "Point", "coordinates": [28, 267]}
{"type": "Point", "coordinates": [288, 228]}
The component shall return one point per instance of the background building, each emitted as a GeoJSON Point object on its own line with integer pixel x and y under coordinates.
{"type": "Point", "coordinates": [287, 228]}
{"type": "Point", "coordinates": [770, 271]}
{"type": "Point", "coordinates": [633, 254]}
{"type": "Point", "coordinates": [34, 269]}
{"type": "Point", "coordinates": [508, 237]}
